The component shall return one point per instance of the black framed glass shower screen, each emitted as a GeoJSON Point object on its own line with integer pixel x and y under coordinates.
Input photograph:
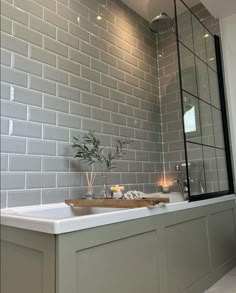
{"type": "Point", "coordinates": [204, 116]}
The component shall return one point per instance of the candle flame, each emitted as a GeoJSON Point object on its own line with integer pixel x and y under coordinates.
{"type": "Point", "coordinates": [165, 183]}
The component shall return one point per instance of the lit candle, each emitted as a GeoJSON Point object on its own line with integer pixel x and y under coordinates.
{"type": "Point", "coordinates": [165, 188]}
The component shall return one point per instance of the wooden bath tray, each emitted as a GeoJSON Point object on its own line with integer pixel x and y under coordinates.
{"type": "Point", "coordinates": [116, 203]}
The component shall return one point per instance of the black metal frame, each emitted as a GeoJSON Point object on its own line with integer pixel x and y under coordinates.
{"type": "Point", "coordinates": [223, 111]}
{"type": "Point", "coordinates": [182, 99]}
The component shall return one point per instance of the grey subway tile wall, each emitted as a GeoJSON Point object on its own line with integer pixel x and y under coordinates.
{"type": "Point", "coordinates": [64, 71]}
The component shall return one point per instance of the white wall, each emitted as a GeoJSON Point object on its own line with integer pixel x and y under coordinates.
{"type": "Point", "coordinates": [228, 34]}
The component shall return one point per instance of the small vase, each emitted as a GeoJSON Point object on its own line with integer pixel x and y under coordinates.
{"type": "Point", "coordinates": [105, 191]}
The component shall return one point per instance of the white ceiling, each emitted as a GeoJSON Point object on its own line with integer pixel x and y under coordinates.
{"type": "Point", "coordinates": [151, 8]}
{"type": "Point", "coordinates": [220, 8]}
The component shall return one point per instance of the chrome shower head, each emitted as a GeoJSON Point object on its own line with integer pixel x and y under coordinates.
{"type": "Point", "coordinates": [161, 23]}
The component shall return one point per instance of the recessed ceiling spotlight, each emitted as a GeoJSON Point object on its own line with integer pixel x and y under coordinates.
{"type": "Point", "coordinates": [99, 17]}
{"type": "Point", "coordinates": [78, 19]}
{"type": "Point", "coordinates": [206, 36]}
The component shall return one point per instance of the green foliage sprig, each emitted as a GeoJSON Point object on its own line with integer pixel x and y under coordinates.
{"type": "Point", "coordinates": [89, 150]}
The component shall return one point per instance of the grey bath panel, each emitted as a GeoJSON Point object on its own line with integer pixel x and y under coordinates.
{"type": "Point", "coordinates": [177, 252]}
{"type": "Point", "coordinates": [222, 236]}
{"type": "Point", "coordinates": [187, 254]}
{"type": "Point", "coordinates": [27, 261]}
{"type": "Point", "coordinates": [119, 258]}
{"type": "Point", "coordinates": [130, 260]}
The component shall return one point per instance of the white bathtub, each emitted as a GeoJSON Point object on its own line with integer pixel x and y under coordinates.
{"type": "Point", "coordinates": [60, 218]}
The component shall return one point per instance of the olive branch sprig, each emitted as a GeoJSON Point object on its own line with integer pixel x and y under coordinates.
{"type": "Point", "coordinates": [89, 150]}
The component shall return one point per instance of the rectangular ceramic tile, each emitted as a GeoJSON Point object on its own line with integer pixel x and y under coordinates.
{"type": "Point", "coordinates": [68, 93]}
{"type": "Point", "coordinates": [24, 163]}
{"type": "Point", "coordinates": [4, 162]}
{"type": "Point", "coordinates": [30, 6]}
{"type": "Point", "coordinates": [89, 50]}
{"type": "Point", "coordinates": [28, 35]}
{"type": "Point", "coordinates": [68, 179]}
{"type": "Point", "coordinates": [110, 129]}
{"type": "Point", "coordinates": [42, 27]}
{"type": "Point", "coordinates": [78, 7]}
{"type": "Point", "coordinates": [42, 56]}
{"type": "Point", "coordinates": [55, 195]}
{"type": "Point", "coordinates": [5, 91]}
{"type": "Point", "coordinates": [116, 73]}
{"type": "Point", "coordinates": [14, 76]}
{"type": "Point", "coordinates": [42, 85]}
{"type": "Point", "coordinates": [99, 66]}
{"type": "Point", "coordinates": [6, 25]}
{"type": "Point", "coordinates": [56, 104]}
{"type": "Point", "coordinates": [10, 181]}
{"type": "Point", "coordinates": [50, 5]}
{"type": "Point", "coordinates": [101, 115]}
{"type": "Point", "coordinates": [68, 14]}
{"type": "Point", "coordinates": [13, 145]}
{"type": "Point", "coordinates": [117, 96]}
{"type": "Point", "coordinates": [118, 119]}
{"type": "Point", "coordinates": [55, 47]}
{"type": "Point", "coordinates": [3, 198]}
{"type": "Point", "coordinates": [14, 13]}
{"type": "Point", "coordinates": [41, 147]}
{"type": "Point", "coordinates": [5, 58]}
{"type": "Point", "coordinates": [68, 120]}
{"type": "Point", "coordinates": [78, 32]}
{"type": "Point", "coordinates": [108, 81]}
{"type": "Point", "coordinates": [27, 96]}
{"type": "Point", "coordinates": [40, 180]}
{"type": "Point", "coordinates": [91, 100]}
{"type": "Point", "coordinates": [41, 115]}
{"type": "Point", "coordinates": [110, 105]}
{"type": "Point", "coordinates": [24, 198]}
{"type": "Point", "coordinates": [55, 19]}
{"type": "Point", "coordinates": [67, 39]}
{"type": "Point", "coordinates": [56, 75]}
{"type": "Point", "coordinates": [55, 133]}
{"type": "Point", "coordinates": [90, 74]}
{"type": "Point", "coordinates": [50, 164]}
{"type": "Point", "coordinates": [100, 90]}
{"type": "Point", "coordinates": [13, 110]}
{"type": "Point", "coordinates": [80, 83]}
{"type": "Point", "coordinates": [80, 110]}
{"type": "Point", "coordinates": [26, 65]}
{"type": "Point", "coordinates": [69, 66]}
{"type": "Point", "coordinates": [89, 124]}
{"type": "Point", "coordinates": [26, 129]}
{"type": "Point", "coordinates": [79, 57]}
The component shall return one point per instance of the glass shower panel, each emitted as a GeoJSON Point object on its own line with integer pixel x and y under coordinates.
{"type": "Point", "coordinates": [185, 25]}
{"type": "Point", "coordinates": [214, 88]}
{"type": "Point", "coordinates": [196, 169]}
{"type": "Point", "coordinates": [202, 80]}
{"type": "Point", "coordinates": [207, 164]}
{"type": "Point", "coordinates": [222, 170]}
{"type": "Point", "coordinates": [210, 167]}
{"type": "Point", "coordinates": [218, 128]}
{"type": "Point", "coordinates": [199, 36]}
{"type": "Point", "coordinates": [206, 124]}
{"type": "Point", "coordinates": [211, 55]}
{"type": "Point", "coordinates": [188, 72]}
